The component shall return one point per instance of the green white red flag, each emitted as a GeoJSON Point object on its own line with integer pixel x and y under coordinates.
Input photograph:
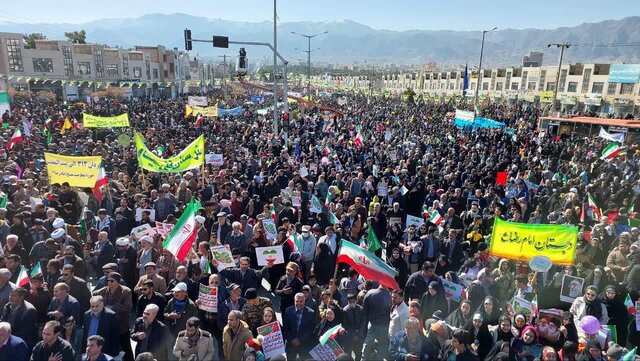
{"type": "Point", "coordinates": [433, 216]}
{"type": "Point", "coordinates": [183, 234]}
{"type": "Point", "coordinates": [612, 150]}
{"type": "Point", "coordinates": [294, 241]}
{"type": "Point", "coordinates": [597, 214]}
{"type": "Point", "coordinates": [358, 141]}
{"type": "Point", "coordinates": [631, 308]}
{"type": "Point", "coordinates": [36, 270]}
{"type": "Point", "coordinates": [367, 264]}
{"type": "Point", "coordinates": [331, 333]}
{"type": "Point", "coordinates": [23, 277]}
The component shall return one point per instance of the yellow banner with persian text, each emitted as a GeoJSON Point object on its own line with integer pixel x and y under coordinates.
{"type": "Point", "coordinates": [94, 121]}
{"type": "Point", "coordinates": [77, 171]}
{"type": "Point", "coordinates": [522, 241]}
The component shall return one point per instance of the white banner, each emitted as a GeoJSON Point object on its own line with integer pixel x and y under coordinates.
{"type": "Point", "coordinates": [273, 255]}
{"type": "Point", "coordinates": [214, 159]}
{"type": "Point", "coordinates": [195, 101]}
{"type": "Point", "coordinates": [465, 115]}
{"type": "Point", "coordinates": [614, 137]}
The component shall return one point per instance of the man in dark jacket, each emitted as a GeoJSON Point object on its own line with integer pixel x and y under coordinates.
{"type": "Point", "coordinates": [418, 282]}
{"type": "Point", "coordinates": [77, 286]}
{"type": "Point", "coordinates": [297, 328]}
{"type": "Point", "coordinates": [63, 304]}
{"type": "Point", "coordinates": [149, 296]}
{"type": "Point", "coordinates": [100, 320]}
{"type": "Point", "coordinates": [288, 286]}
{"type": "Point", "coordinates": [52, 345]}
{"type": "Point", "coordinates": [353, 323]}
{"type": "Point", "coordinates": [12, 345]}
{"type": "Point", "coordinates": [22, 316]}
{"type": "Point", "coordinates": [150, 334]}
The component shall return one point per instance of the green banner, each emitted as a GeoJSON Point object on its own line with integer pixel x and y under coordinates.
{"type": "Point", "coordinates": [522, 241]}
{"type": "Point", "coordinates": [94, 121]}
{"type": "Point", "coordinates": [191, 157]}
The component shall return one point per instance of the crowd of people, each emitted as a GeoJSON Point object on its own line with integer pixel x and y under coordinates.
{"type": "Point", "coordinates": [95, 291]}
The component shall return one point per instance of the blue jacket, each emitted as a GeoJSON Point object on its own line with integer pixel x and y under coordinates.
{"type": "Point", "coordinates": [399, 343]}
{"type": "Point", "coordinates": [305, 331]}
{"type": "Point", "coordinates": [70, 307]}
{"type": "Point", "coordinates": [108, 328]}
{"type": "Point", "coordinates": [16, 347]}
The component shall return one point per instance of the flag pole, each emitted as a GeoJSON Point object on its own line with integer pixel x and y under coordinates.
{"type": "Point", "coordinates": [335, 270]}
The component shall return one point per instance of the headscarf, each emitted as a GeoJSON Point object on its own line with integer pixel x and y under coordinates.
{"type": "Point", "coordinates": [496, 350]}
{"type": "Point", "coordinates": [535, 332]}
{"type": "Point", "coordinates": [593, 308]}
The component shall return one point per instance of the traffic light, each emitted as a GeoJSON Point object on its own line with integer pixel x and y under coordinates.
{"type": "Point", "coordinates": [187, 40]}
{"type": "Point", "coordinates": [243, 59]}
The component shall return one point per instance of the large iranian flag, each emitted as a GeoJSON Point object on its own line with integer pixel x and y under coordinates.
{"type": "Point", "coordinates": [367, 264]}
{"type": "Point", "coordinates": [612, 150]}
{"type": "Point", "coordinates": [183, 233]}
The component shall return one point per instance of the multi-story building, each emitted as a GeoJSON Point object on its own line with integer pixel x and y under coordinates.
{"type": "Point", "coordinates": [77, 70]}
{"type": "Point", "coordinates": [604, 88]}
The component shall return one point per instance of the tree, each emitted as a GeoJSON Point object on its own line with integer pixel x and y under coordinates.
{"type": "Point", "coordinates": [30, 39]}
{"type": "Point", "coordinates": [77, 37]}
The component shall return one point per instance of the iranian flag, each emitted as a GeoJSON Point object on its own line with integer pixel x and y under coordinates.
{"type": "Point", "coordinates": [294, 241]}
{"type": "Point", "coordinates": [358, 141]}
{"type": "Point", "coordinates": [331, 333]}
{"type": "Point", "coordinates": [100, 182]}
{"type": "Point", "coordinates": [597, 214]}
{"type": "Point", "coordinates": [23, 277]}
{"type": "Point", "coordinates": [47, 122]}
{"type": "Point", "coordinates": [199, 120]}
{"type": "Point", "coordinates": [368, 265]}
{"type": "Point", "coordinates": [36, 270]}
{"type": "Point", "coordinates": [332, 218]}
{"type": "Point", "coordinates": [611, 151]}
{"type": "Point", "coordinates": [15, 138]}
{"type": "Point", "coordinates": [183, 234]}
{"type": "Point", "coordinates": [631, 308]}
{"type": "Point", "coordinates": [434, 218]}
{"type": "Point", "coordinates": [631, 355]}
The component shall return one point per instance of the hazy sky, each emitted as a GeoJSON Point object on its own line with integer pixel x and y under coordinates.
{"type": "Point", "coordinates": [379, 14]}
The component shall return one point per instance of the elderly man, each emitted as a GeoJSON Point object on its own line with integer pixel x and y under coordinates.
{"type": "Point", "coordinates": [5, 286]}
{"type": "Point", "coordinates": [52, 346]}
{"type": "Point", "coordinates": [194, 341]}
{"type": "Point", "coordinates": [102, 321]}
{"type": "Point", "coordinates": [179, 309]}
{"type": "Point", "coordinates": [102, 252]}
{"type": "Point", "coordinates": [411, 344]}
{"type": "Point", "coordinates": [221, 228]}
{"type": "Point", "coordinates": [150, 334]}
{"type": "Point", "coordinates": [14, 246]}
{"type": "Point", "coordinates": [181, 276]}
{"type": "Point", "coordinates": [235, 238]}
{"type": "Point", "coordinates": [64, 305]}
{"type": "Point", "coordinates": [159, 283]}
{"type": "Point", "coordinates": [22, 316]}
{"type": "Point", "coordinates": [11, 344]}
{"type": "Point", "coordinates": [297, 328]}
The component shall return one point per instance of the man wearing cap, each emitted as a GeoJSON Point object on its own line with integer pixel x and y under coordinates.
{"type": "Point", "coordinates": [105, 223]}
{"type": "Point", "coordinates": [252, 310]}
{"type": "Point", "coordinates": [288, 286]}
{"type": "Point", "coordinates": [353, 323]}
{"type": "Point", "coordinates": [106, 270]}
{"type": "Point", "coordinates": [159, 283]}
{"type": "Point", "coordinates": [221, 228]}
{"type": "Point", "coordinates": [126, 260]}
{"type": "Point", "coordinates": [165, 204]}
{"type": "Point", "coordinates": [118, 299]}
{"type": "Point", "coordinates": [247, 229]}
{"type": "Point", "coordinates": [286, 212]}
{"type": "Point", "coordinates": [179, 309]}
{"type": "Point", "coordinates": [234, 301]}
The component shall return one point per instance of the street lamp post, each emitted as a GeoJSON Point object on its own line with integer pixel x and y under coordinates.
{"type": "Point", "coordinates": [309, 58]}
{"type": "Point", "coordinates": [475, 97]}
{"type": "Point", "coordinates": [562, 46]}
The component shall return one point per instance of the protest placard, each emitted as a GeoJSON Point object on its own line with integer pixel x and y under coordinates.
{"type": "Point", "coordinates": [152, 214]}
{"type": "Point", "coordinates": [417, 221]}
{"type": "Point", "coordinates": [214, 159]}
{"type": "Point", "coordinates": [270, 228]}
{"type": "Point", "coordinates": [316, 206]}
{"type": "Point", "coordinates": [327, 352]}
{"type": "Point", "coordinates": [208, 297]}
{"type": "Point", "coordinates": [272, 341]}
{"type": "Point", "coordinates": [94, 121]}
{"type": "Point", "coordinates": [571, 288]}
{"type": "Point", "coordinates": [452, 291]}
{"type": "Point", "coordinates": [520, 305]}
{"type": "Point", "coordinates": [223, 255]}
{"type": "Point", "coordinates": [272, 254]}
{"type": "Point", "coordinates": [143, 230]}
{"type": "Point", "coordinates": [163, 228]}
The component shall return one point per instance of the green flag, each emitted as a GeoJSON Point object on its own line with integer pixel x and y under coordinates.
{"type": "Point", "coordinates": [3, 203]}
{"type": "Point", "coordinates": [631, 355]}
{"type": "Point", "coordinates": [373, 244]}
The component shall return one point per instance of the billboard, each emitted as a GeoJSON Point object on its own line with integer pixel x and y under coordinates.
{"type": "Point", "coordinates": [624, 73]}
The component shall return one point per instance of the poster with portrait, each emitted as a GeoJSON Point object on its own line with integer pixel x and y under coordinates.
{"type": "Point", "coordinates": [152, 214]}
{"type": "Point", "coordinates": [571, 288]}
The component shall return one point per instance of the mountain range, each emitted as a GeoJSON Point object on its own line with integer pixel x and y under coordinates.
{"type": "Point", "coordinates": [348, 42]}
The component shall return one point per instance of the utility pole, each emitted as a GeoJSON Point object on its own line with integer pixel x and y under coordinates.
{"type": "Point", "coordinates": [562, 46]}
{"type": "Point", "coordinates": [479, 84]}
{"type": "Point", "coordinates": [224, 75]}
{"type": "Point", "coordinates": [308, 51]}
{"type": "Point", "coordinates": [275, 68]}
